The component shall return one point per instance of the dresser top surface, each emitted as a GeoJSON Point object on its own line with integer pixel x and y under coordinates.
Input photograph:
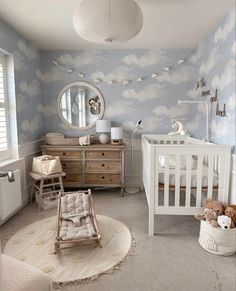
{"type": "Point", "coordinates": [92, 146]}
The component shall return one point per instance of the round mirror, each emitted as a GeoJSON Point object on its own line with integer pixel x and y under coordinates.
{"type": "Point", "coordinates": [80, 104]}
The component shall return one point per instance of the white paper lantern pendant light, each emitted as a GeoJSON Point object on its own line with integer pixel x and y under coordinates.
{"type": "Point", "coordinates": [107, 21]}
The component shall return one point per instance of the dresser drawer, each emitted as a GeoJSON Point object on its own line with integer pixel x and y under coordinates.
{"type": "Point", "coordinates": [111, 166]}
{"type": "Point", "coordinates": [103, 155]}
{"type": "Point", "coordinates": [72, 178]}
{"type": "Point", "coordinates": [65, 154]}
{"type": "Point", "coordinates": [102, 179]}
{"type": "Point", "coordinates": [72, 166]}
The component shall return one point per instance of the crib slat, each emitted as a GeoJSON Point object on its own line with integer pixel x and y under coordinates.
{"type": "Point", "coordinates": [199, 180]}
{"type": "Point", "coordinates": [221, 166]}
{"type": "Point", "coordinates": [210, 176]}
{"type": "Point", "coordinates": [188, 180]}
{"type": "Point", "coordinates": [166, 179]}
{"type": "Point", "coordinates": [177, 180]}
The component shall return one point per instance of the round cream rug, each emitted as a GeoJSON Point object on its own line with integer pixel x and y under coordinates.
{"type": "Point", "coordinates": [34, 245]}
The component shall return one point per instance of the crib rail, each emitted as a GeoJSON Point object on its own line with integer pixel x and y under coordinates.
{"type": "Point", "coordinates": [201, 170]}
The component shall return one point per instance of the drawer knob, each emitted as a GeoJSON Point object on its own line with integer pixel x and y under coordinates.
{"type": "Point", "coordinates": [64, 154]}
{"type": "Point", "coordinates": [103, 154]}
{"type": "Point", "coordinates": [63, 165]}
{"type": "Point", "coordinates": [103, 165]}
{"type": "Point", "coordinates": [103, 177]}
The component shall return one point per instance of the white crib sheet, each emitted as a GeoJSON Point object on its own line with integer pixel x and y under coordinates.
{"type": "Point", "coordinates": [193, 178]}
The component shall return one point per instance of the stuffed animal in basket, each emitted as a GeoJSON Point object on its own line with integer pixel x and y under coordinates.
{"type": "Point", "coordinates": [215, 205]}
{"type": "Point", "coordinates": [230, 211]}
{"type": "Point", "coordinates": [224, 221]}
{"type": "Point", "coordinates": [209, 216]}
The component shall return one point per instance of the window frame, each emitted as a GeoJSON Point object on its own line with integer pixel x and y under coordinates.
{"type": "Point", "coordinates": [6, 153]}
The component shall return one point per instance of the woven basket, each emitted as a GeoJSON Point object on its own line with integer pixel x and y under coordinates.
{"type": "Point", "coordinates": [217, 240]}
{"type": "Point", "coordinates": [61, 140]}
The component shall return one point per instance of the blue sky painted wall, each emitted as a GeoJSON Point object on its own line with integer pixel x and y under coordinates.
{"type": "Point", "coordinates": [27, 66]}
{"type": "Point", "coordinates": [153, 100]}
{"type": "Point", "coordinates": [214, 60]}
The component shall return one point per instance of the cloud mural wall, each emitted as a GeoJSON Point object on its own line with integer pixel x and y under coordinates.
{"type": "Point", "coordinates": [152, 99]}
{"type": "Point", "coordinates": [125, 104]}
{"type": "Point", "coordinates": [215, 60]}
{"type": "Point", "coordinates": [27, 84]}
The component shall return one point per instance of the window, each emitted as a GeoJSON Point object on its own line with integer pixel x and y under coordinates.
{"type": "Point", "coordinates": [5, 151]}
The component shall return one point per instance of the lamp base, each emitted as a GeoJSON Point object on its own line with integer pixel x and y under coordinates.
{"type": "Point", "coordinates": [132, 190]}
{"type": "Point", "coordinates": [103, 138]}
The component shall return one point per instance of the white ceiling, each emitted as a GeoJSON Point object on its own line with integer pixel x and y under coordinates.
{"type": "Point", "coordinates": [167, 23]}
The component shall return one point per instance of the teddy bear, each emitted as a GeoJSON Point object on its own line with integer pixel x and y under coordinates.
{"type": "Point", "coordinates": [215, 205]}
{"type": "Point", "coordinates": [230, 212]}
{"type": "Point", "coordinates": [209, 216]}
{"type": "Point", "coordinates": [224, 221]}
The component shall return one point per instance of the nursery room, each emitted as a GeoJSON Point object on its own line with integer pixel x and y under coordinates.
{"type": "Point", "coordinates": [117, 145]}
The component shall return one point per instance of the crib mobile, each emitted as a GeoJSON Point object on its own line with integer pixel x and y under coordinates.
{"type": "Point", "coordinates": [179, 129]}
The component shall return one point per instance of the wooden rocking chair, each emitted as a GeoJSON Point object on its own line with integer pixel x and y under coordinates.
{"type": "Point", "coordinates": [76, 219]}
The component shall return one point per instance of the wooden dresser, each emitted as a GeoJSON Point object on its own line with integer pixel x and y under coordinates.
{"type": "Point", "coordinates": [96, 165]}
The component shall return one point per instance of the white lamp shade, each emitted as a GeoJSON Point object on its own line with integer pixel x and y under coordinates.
{"type": "Point", "coordinates": [103, 21]}
{"type": "Point", "coordinates": [117, 133]}
{"type": "Point", "coordinates": [103, 125]}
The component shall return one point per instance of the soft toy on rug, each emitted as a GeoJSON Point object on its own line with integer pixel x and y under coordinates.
{"type": "Point", "coordinates": [230, 212]}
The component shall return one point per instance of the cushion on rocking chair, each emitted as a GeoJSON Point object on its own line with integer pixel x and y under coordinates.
{"type": "Point", "coordinates": [76, 217]}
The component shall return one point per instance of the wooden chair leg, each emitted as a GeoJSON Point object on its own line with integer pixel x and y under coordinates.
{"type": "Point", "coordinates": [40, 193]}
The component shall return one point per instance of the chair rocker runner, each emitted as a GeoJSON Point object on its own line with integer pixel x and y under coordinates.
{"type": "Point", "coordinates": [76, 219]}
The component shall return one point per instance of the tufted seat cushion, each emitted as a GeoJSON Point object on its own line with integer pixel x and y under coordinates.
{"type": "Point", "coordinates": [19, 276]}
{"type": "Point", "coordinates": [76, 217]}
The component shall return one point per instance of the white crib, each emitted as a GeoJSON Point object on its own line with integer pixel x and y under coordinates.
{"type": "Point", "coordinates": [178, 189]}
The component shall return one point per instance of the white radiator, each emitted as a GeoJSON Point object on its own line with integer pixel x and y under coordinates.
{"type": "Point", "coordinates": [10, 195]}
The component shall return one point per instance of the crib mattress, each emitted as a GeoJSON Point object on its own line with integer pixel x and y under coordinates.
{"type": "Point", "coordinates": [193, 178]}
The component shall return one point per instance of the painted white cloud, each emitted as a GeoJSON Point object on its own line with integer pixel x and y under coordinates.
{"type": "Point", "coordinates": [19, 63]}
{"type": "Point", "coordinates": [171, 112]}
{"type": "Point", "coordinates": [193, 93]}
{"type": "Point", "coordinates": [21, 104]}
{"type": "Point", "coordinates": [149, 92]}
{"type": "Point", "coordinates": [150, 58]}
{"type": "Point", "coordinates": [53, 75]}
{"type": "Point", "coordinates": [194, 58]}
{"type": "Point", "coordinates": [212, 60]}
{"type": "Point", "coordinates": [32, 89]}
{"type": "Point", "coordinates": [176, 77]}
{"type": "Point", "coordinates": [227, 77]}
{"type": "Point", "coordinates": [84, 58]}
{"type": "Point", "coordinates": [231, 102]}
{"type": "Point", "coordinates": [31, 126]}
{"type": "Point", "coordinates": [128, 125]}
{"type": "Point", "coordinates": [38, 74]}
{"type": "Point", "coordinates": [119, 74]}
{"type": "Point", "coordinates": [47, 110]}
{"type": "Point", "coordinates": [152, 123]}
{"type": "Point", "coordinates": [224, 30]}
{"type": "Point", "coordinates": [224, 127]}
{"type": "Point", "coordinates": [28, 50]}
{"type": "Point", "coordinates": [119, 107]}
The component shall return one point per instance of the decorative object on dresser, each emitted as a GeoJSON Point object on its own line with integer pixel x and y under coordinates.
{"type": "Point", "coordinates": [91, 166]}
{"type": "Point", "coordinates": [103, 126]}
{"type": "Point", "coordinates": [132, 189]}
{"type": "Point", "coordinates": [117, 135]}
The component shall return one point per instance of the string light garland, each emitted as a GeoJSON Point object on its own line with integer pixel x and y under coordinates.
{"type": "Point", "coordinates": [125, 82]}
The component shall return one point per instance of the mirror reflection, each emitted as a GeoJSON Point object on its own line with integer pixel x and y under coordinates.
{"type": "Point", "coordinates": [80, 105]}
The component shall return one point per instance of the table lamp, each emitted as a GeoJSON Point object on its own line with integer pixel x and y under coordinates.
{"type": "Point", "coordinates": [117, 135]}
{"type": "Point", "coordinates": [103, 126]}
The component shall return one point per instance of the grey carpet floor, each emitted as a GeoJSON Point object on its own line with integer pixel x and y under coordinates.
{"type": "Point", "coordinates": [170, 261]}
